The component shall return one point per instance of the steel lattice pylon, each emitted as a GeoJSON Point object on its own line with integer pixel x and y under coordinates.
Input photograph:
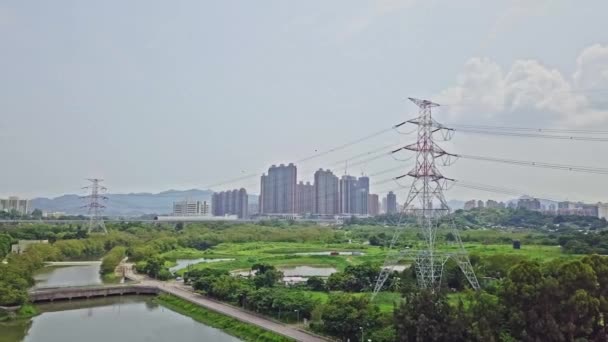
{"type": "Point", "coordinates": [426, 195]}
{"type": "Point", "coordinates": [95, 206]}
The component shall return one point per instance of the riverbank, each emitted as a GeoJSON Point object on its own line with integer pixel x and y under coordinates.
{"type": "Point", "coordinates": [244, 331]}
{"type": "Point", "coordinates": [24, 312]}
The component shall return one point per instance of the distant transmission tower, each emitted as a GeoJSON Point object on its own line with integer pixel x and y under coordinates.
{"type": "Point", "coordinates": [94, 205]}
{"type": "Point", "coordinates": [426, 193]}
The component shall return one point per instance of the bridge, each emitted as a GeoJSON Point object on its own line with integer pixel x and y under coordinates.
{"type": "Point", "coordinates": [86, 292]}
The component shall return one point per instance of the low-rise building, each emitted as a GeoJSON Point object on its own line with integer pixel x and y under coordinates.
{"type": "Point", "coordinates": [22, 245]}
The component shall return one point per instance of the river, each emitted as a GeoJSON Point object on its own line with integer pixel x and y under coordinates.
{"type": "Point", "coordinates": [129, 318]}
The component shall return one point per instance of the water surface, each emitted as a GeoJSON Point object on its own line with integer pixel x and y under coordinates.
{"type": "Point", "coordinates": [183, 263]}
{"type": "Point", "coordinates": [296, 271]}
{"type": "Point", "coordinates": [62, 276]}
{"type": "Point", "coordinates": [355, 253]}
{"type": "Point", "coordinates": [115, 319]}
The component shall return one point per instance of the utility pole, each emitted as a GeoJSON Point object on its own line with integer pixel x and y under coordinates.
{"type": "Point", "coordinates": [94, 205]}
{"type": "Point", "coordinates": [426, 194]}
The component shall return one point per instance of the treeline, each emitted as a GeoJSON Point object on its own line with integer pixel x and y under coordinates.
{"type": "Point", "coordinates": [262, 292]}
{"type": "Point", "coordinates": [111, 260]}
{"type": "Point", "coordinates": [16, 276]}
{"type": "Point", "coordinates": [585, 243]}
{"type": "Point", "coordinates": [492, 217]}
{"type": "Point", "coordinates": [523, 218]}
{"type": "Point", "coordinates": [556, 301]}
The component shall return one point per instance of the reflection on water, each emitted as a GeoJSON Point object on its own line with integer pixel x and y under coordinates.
{"type": "Point", "coordinates": [129, 318]}
{"type": "Point", "coordinates": [307, 271]}
{"type": "Point", "coordinates": [183, 263]}
{"type": "Point", "coordinates": [62, 276]}
{"type": "Point", "coordinates": [355, 253]}
{"type": "Point", "coordinates": [295, 271]}
{"type": "Point", "coordinates": [398, 268]}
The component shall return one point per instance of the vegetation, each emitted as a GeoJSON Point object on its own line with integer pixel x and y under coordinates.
{"type": "Point", "coordinates": [544, 291]}
{"type": "Point", "coordinates": [495, 217]}
{"type": "Point", "coordinates": [257, 293]}
{"type": "Point", "coordinates": [112, 259]}
{"type": "Point", "coordinates": [244, 331]}
{"type": "Point", "coordinates": [155, 268]}
{"type": "Point", "coordinates": [5, 245]}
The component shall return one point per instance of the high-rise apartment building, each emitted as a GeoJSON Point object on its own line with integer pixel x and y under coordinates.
{"type": "Point", "coordinates": [468, 205]}
{"type": "Point", "coordinates": [326, 193]}
{"type": "Point", "coordinates": [529, 203]}
{"type": "Point", "coordinates": [602, 210]}
{"type": "Point", "coordinates": [231, 202]}
{"type": "Point", "coordinates": [491, 204]}
{"type": "Point", "coordinates": [348, 188]}
{"type": "Point", "coordinates": [278, 190]}
{"type": "Point", "coordinates": [361, 196]}
{"type": "Point", "coordinates": [190, 208]}
{"type": "Point", "coordinates": [22, 206]}
{"type": "Point", "coordinates": [305, 196]}
{"type": "Point", "coordinates": [353, 195]}
{"type": "Point", "coordinates": [391, 203]}
{"type": "Point", "coordinates": [373, 205]}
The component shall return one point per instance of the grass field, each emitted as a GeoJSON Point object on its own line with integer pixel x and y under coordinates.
{"type": "Point", "coordinates": [243, 331]}
{"type": "Point", "coordinates": [284, 254]}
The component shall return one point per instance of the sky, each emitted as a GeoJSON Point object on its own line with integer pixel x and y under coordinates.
{"type": "Point", "coordinates": [156, 95]}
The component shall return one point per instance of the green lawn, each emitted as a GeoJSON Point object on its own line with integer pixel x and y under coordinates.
{"type": "Point", "coordinates": [283, 254]}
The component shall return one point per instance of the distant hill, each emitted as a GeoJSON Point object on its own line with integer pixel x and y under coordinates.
{"type": "Point", "coordinates": [134, 204]}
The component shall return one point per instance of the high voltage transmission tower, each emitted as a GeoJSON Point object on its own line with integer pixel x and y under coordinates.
{"type": "Point", "coordinates": [94, 205]}
{"type": "Point", "coordinates": [429, 206]}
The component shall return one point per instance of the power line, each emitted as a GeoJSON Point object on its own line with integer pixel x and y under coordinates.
{"type": "Point", "coordinates": [532, 135]}
{"type": "Point", "coordinates": [313, 156]}
{"type": "Point", "coordinates": [530, 129]}
{"type": "Point", "coordinates": [564, 167]}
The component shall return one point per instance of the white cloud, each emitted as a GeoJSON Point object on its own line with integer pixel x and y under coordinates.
{"type": "Point", "coordinates": [480, 88]}
{"type": "Point", "coordinates": [485, 89]}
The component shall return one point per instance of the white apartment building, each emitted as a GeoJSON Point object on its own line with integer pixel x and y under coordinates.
{"type": "Point", "coordinates": [14, 203]}
{"type": "Point", "coordinates": [191, 208]}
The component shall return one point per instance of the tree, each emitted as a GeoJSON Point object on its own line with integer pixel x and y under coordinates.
{"type": "Point", "coordinates": [36, 214]}
{"type": "Point", "coordinates": [154, 265]}
{"type": "Point", "coordinates": [346, 317]}
{"type": "Point", "coordinates": [427, 316]}
{"type": "Point", "coordinates": [5, 245]}
{"type": "Point", "coordinates": [316, 283]}
{"type": "Point", "coordinates": [266, 275]}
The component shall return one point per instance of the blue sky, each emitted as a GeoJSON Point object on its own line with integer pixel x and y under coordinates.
{"type": "Point", "coordinates": [152, 95]}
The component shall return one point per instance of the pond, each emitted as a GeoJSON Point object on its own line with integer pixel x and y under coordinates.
{"type": "Point", "coordinates": [129, 318]}
{"type": "Point", "coordinates": [399, 268]}
{"type": "Point", "coordinates": [296, 271]}
{"type": "Point", "coordinates": [354, 253]}
{"type": "Point", "coordinates": [62, 276]}
{"type": "Point", "coordinates": [183, 263]}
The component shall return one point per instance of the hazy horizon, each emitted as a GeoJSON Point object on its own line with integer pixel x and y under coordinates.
{"type": "Point", "coordinates": [154, 96]}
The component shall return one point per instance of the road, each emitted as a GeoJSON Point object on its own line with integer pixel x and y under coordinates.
{"type": "Point", "coordinates": [186, 293]}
